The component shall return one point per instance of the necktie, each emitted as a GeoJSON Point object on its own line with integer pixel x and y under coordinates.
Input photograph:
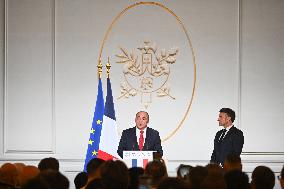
{"type": "Point", "coordinates": [141, 140]}
{"type": "Point", "coordinates": [222, 135]}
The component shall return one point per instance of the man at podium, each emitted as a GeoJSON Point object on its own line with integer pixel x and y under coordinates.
{"type": "Point", "coordinates": [140, 137]}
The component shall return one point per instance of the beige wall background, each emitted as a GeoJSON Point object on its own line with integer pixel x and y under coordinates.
{"type": "Point", "coordinates": [49, 53]}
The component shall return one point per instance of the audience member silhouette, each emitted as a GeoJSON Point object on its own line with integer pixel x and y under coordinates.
{"type": "Point", "coordinates": [232, 162]}
{"type": "Point", "coordinates": [114, 175]}
{"type": "Point", "coordinates": [9, 175]}
{"type": "Point", "coordinates": [28, 173]}
{"type": "Point", "coordinates": [157, 171]}
{"type": "Point", "coordinates": [173, 183]}
{"type": "Point", "coordinates": [134, 174]}
{"type": "Point", "coordinates": [262, 178]}
{"type": "Point", "coordinates": [237, 179]}
{"type": "Point", "coordinates": [93, 168]}
{"type": "Point", "coordinates": [81, 180]}
{"type": "Point", "coordinates": [48, 163]}
{"type": "Point", "coordinates": [19, 167]}
{"type": "Point", "coordinates": [55, 179]}
{"type": "Point", "coordinates": [214, 169]}
{"type": "Point", "coordinates": [196, 176]}
{"type": "Point", "coordinates": [95, 184]}
{"type": "Point", "coordinates": [213, 182]}
{"type": "Point", "coordinates": [36, 183]}
{"type": "Point", "coordinates": [183, 171]}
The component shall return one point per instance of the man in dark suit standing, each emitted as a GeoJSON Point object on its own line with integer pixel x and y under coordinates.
{"type": "Point", "coordinates": [140, 137]}
{"type": "Point", "coordinates": [229, 140]}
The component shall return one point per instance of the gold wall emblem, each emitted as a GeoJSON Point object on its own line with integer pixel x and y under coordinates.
{"type": "Point", "coordinates": [130, 91]}
{"type": "Point", "coordinates": [146, 71]}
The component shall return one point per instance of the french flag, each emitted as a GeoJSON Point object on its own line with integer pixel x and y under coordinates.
{"type": "Point", "coordinates": [139, 163]}
{"type": "Point", "coordinates": [109, 135]}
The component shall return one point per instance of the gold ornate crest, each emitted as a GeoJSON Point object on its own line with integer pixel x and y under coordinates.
{"type": "Point", "coordinates": [146, 70]}
{"type": "Point", "coordinates": [132, 91]}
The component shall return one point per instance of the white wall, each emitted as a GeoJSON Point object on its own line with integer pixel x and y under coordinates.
{"type": "Point", "coordinates": [49, 53]}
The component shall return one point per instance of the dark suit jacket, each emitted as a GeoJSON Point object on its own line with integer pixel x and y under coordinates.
{"type": "Point", "coordinates": [128, 141]}
{"type": "Point", "coordinates": [231, 144]}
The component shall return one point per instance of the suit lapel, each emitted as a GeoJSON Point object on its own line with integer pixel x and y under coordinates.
{"type": "Point", "coordinates": [229, 132]}
{"type": "Point", "coordinates": [146, 141]}
{"type": "Point", "coordinates": [134, 139]}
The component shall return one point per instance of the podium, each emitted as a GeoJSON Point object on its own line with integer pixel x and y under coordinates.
{"type": "Point", "coordinates": [137, 158]}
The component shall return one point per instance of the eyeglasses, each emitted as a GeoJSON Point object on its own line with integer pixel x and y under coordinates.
{"type": "Point", "coordinates": [279, 177]}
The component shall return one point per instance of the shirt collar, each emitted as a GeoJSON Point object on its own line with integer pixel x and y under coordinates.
{"type": "Point", "coordinates": [228, 128]}
{"type": "Point", "coordinates": [138, 130]}
{"type": "Point", "coordinates": [138, 134]}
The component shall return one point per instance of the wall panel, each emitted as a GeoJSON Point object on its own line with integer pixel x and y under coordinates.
{"type": "Point", "coordinates": [262, 64]}
{"type": "Point", "coordinates": [28, 121]}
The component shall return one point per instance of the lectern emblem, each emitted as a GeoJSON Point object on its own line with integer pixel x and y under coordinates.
{"type": "Point", "coordinates": [146, 71]}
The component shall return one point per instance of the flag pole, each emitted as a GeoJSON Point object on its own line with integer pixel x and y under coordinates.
{"type": "Point", "coordinates": [108, 67]}
{"type": "Point", "coordinates": [100, 69]}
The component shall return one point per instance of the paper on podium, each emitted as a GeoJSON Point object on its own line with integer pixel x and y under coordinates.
{"type": "Point", "coordinates": [137, 158]}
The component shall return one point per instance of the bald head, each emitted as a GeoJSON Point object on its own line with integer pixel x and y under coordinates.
{"type": "Point", "coordinates": [141, 120]}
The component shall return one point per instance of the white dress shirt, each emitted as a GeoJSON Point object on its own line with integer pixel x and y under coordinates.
{"type": "Point", "coordinates": [138, 135]}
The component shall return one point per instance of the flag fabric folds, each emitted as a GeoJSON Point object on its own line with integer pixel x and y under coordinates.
{"type": "Point", "coordinates": [109, 135]}
{"type": "Point", "coordinates": [95, 132]}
